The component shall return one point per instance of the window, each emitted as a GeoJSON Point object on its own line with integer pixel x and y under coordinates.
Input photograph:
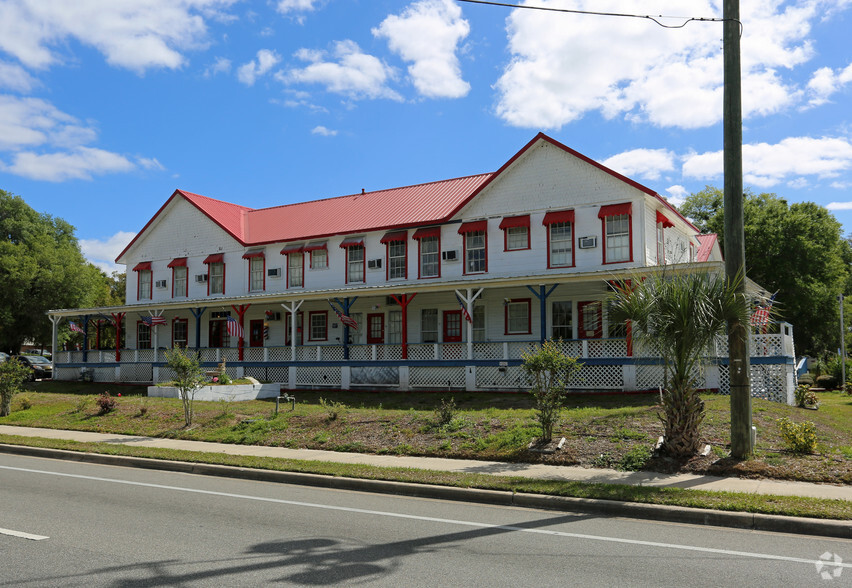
{"type": "Point", "coordinates": [180, 331]}
{"type": "Point", "coordinates": [355, 335]}
{"type": "Point", "coordinates": [429, 325]}
{"type": "Point", "coordinates": [257, 274]}
{"type": "Point", "coordinates": [354, 264]}
{"type": "Point", "coordinates": [318, 326]}
{"type": "Point", "coordinates": [662, 224]}
{"type": "Point", "coordinates": [561, 325]}
{"type": "Point", "coordinates": [560, 238]}
{"type": "Point", "coordinates": [395, 326]}
{"type": "Point", "coordinates": [479, 323]}
{"type": "Point", "coordinates": [296, 270]}
{"type": "Point", "coordinates": [318, 255]}
{"type": "Point", "coordinates": [145, 284]}
{"type": "Point", "coordinates": [396, 260]}
{"type": "Point", "coordinates": [475, 260]}
{"type": "Point", "coordinates": [516, 232]}
{"type": "Point", "coordinates": [518, 317]}
{"type": "Point", "coordinates": [179, 282]}
{"type": "Point", "coordinates": [617, 242]}
{"type": "Point", "coordinates": [216, 278]}
{"type": "Point", "coordinates": [143, 336]}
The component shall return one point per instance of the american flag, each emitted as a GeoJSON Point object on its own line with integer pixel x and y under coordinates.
{"type": "Point", "coordinates": [760, 315]}
{"type": "Point", "coordinates": [153, 321]}
{"type": "Point", "coordinates": [466, 314]}
{"type": "Point", "coordinates": [345, 319]}
{"type": "Point", "coordinates": [234, 328]}
{"type": "Point", "coordinates": [75, 328]}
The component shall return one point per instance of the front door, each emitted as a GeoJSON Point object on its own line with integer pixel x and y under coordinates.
{"type": "Point", "coordinates": [591, 325]}
{"type": "Point", "coordinates": [217, 335]}
{"type": "Point", "coordinates": [452, 326]}
{"type": "Point", "coordinates": [289, 326]}
{"type": "Point", "coordinates": [256, 333]}
{"type": "Point", "coordinates": [375, 328]}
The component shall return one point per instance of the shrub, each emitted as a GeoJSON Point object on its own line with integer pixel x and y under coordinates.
{"type": "Point", "coordinates": [827, 382]}
{"type": "Point", "coordinates": [635, 459]}
{"type": "Point", "coordinates": [24, 402]}
{"type": "Point", "coordinates": [799, 437]}
{"type": "Point", "coordinates": [106, 403]}
{"type": "Point", "coordinates": [834, 368]}
{"type": "Point", "coordinates": [12, 375]}
{"type": "Point", "coordinates": [804, 396]}
{"type": "Point", "coordinates": [446, 412]}
{"type": "Point", "coordinates": [550, 370]}
{"type": "Point", "coordinates": [188, 378]}
{"type": "Point", "coordinates": [332, 408]}
{"type": "Point", "coordinates": [83, 403]}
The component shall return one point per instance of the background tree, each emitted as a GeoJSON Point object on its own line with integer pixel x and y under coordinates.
{"type": "Point", "coordinates": [41, 268]}
{"type": "Point", "coordinates": [679, 315]}
{"type": "Point", "coordinates": [12, 375]}
{"type": "Point", "coordinates": [797, 250]}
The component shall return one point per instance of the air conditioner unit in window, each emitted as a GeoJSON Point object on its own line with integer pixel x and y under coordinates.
{"type": "Point", "coordinates": [274, 272]}
{"type": "Point", "coordinates": [374, 263]}
{"type": "Point", "coordinates": [160, 284]}
{"type": "Point", "coordinates": [201, 278]}
{"type": "Point", "coordinates": [588, 242]}
{"type": "Point", "coordinates": [451, 255]}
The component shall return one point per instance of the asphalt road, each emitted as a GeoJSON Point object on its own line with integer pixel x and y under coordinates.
{"type": "Point", "coordinates": [76, 524]}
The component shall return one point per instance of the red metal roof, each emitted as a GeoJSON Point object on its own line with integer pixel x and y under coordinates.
{"type": "Point", "coordinates": [706, 248]}
{"type": "Point", "coordinates": [615, 209]}
{"type": "Point", "coordinates": [214, 258]}
{"type": "Point", "coordinates": [141, 266]}
{"type": "Point", "coordinates": [515, 221]}
{"type": "Point", "coordinates": [661, 218]}
{"type": "Point", "coordinates": [177, 262]}
{"type": "Point", "coordinates": [426, 232]}
{"type": "Point", "coordinates": [255, 253]}
{"type": "Point", "coordinates": [473, 226]}
{"type": "Point", "coordinates": [558, 216]}
{"type": "Point", "coordinates": [394, 237]}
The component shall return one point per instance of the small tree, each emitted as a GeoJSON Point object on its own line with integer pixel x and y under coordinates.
{"type": "Point", "coordinates": [12, 374]}
{"type": "Point", "coordinates": [188, 377]}
{"type": "Point", "coordinates": [550, 370]}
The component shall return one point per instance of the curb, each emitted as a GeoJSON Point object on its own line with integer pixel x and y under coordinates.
{"type": "Point", "coordinates": [655, 512]}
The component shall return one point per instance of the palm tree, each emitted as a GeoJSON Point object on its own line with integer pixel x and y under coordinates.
{"type": "Point", "coordinates": [679, 314]}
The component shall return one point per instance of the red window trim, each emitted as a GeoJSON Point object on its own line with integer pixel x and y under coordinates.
{"type": "Point", "coordinates": [661, 218]}
{"type": "Point", "coordinates": [558, 216]}
{"type": "Point", "coordinates": [186, 282]}
{"type": "Point", "coordinates": [472, 226]}
{"type": "Point", "coordinates": [387, 256]}
{"type": "Point", "coordinates": [513, 222]}
{"type": "Point", "coordinates": [420, 276]}
{"type": "Point", "coordinates": [370, 339]}
{"type": "Point", "coordinates": [427, 232]}
{"type": "Point", "coordinates": [311, 325]}
{"type": "Point", "coordinates": [394, 236]}
{"type": "Point", "coordinates": [506, 316]}
{"type": "Point", "coordinates": [180, 320]}
{"type": "Point", "coordinates": [348, 248]}
{"type": "Point", "coordinates": [352, 242]}
{"type": "Point", "coordinates": [150, 335]}
{"type": "Point", "coordinates": [249, 271]}
{"type": "Point", "coordinates": [142, 266]}
{"type": "Point", "coordinates": [208, 273]}
{"type": "Point", "coordinates": [139, 282]}
{"type": "Point", "coordinates": [254, 253]}
{"type": "Point", "coordinates": [287, 276]}
{"type": "Point", "coordinates": [629, 234]}
{"type": "Point", "coordinates": [616, 209]}
{"type": "Point", "coordinates": [464, 254]}
{"type": "Point", "coordinates": [573, 244]}
{"type": "Point", "coordinates": [215, 258]}
{"type": "Point", "coordinates": [311, 247]}
{"type": "Point", "coordinates": [177, 262]}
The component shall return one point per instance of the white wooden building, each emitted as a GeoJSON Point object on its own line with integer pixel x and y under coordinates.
{"type": "Point", "coordinates": [526, 252]}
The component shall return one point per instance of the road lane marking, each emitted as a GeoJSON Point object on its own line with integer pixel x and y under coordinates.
{"type": "Point", "coordinates": [22, 535]}
{"type": "Point", "coordinates": [474, 524]}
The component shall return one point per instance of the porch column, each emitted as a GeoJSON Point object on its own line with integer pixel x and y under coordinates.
{"type": "Point", "coordinates": [542, 295]}
{"type": "Point", "coordinates": [343, 315]}
{"type": "Point", "coordinates": [294, 306]}
{"type": "Point", "coordinates": [54, 340]}
{"type": "Point", "coordinates": [403, 300]}
{"type": "Point", "coordinates": [86, 337]}
{"type": "Point", "coordinates": [466, 301]}
{"type": "Point", "coordinates": [197, 312]}
{"type": "Point", "coordinates": [117, 317]}
{"type": "Point", "coordinates": [241, 312]}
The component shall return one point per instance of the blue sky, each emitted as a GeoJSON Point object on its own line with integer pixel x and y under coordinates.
{"type": "Point", "coordinates": [107, 107]}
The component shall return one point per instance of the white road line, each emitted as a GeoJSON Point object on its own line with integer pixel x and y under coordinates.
{"type": "Point", "coordinates": [676, 546]}
{"type": "Point", "coordinates": [22, 535]}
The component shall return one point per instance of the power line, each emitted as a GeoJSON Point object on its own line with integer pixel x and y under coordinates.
{"type": "Point", "coordinates": [656, 19]}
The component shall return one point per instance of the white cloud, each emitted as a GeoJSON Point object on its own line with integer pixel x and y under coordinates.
{"type": "Point", "coordinates": [564, 66]}
{"type": "Point", "coordinates": [150, 163]}
{"type": "Point", "coordinates": [133, 35]}
{"type": "Point", "coordinates": [354, 74]}
{"type": "Point", "coordinates": [288, 6]}
{"type": "Point", "coordinates": [28, 122]}
{"type": "Point", "coordinates": [323, 131]}
{"type": "Point", "coordinates": [80, 163]}
{"type": "Point", "coordinates": [266, 60]}
{"type": "Point", "coordinates": [766, 165]}
{"type": "Point", "coordinates": [826, 82]}
{"type": "Point", "coordinates": [427, 35]}
{"type": "Point", "coordinates": [14, 77]}
{"type": "Point", "coordinates": [102, 252]}
{"type": "Point", "coordinates": [644, 163]}
{"type": "Point", "coordinates": [839, 206]}
{"type": "Point", "coordinates": [221, 65]}
{"type": "Point", "coordinates": [677, 195]}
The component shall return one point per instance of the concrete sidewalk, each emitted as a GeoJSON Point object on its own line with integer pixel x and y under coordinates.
{"type": "Point", "coordinates": [536, 471]}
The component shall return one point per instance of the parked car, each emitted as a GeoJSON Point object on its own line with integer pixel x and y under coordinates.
{"type": "Point", "coordinates": [40, 367]}
{"type": "Point", "coordinates": [3, 356]}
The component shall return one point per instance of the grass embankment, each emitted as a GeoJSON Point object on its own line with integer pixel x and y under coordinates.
{"type": "Point", "coordinates": [602, 431]}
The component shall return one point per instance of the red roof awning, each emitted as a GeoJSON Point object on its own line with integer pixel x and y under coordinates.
{"type": "Point", "coordinates": [316, 246]}
{"type": "Point", "coordinates": [255, 253]}
{"type": "Point", "coordinates": [177, 262]}
{"type": "Point", "coordinates": [395, 237]}
{"type": "Point", "coordinates": [352, 242]}
{"type": "Point", "coordinates": [215, 258]}
{"type": "Point", "coordinates": [473, 226]}
{"type": "Point", "coordinates": [615, 210]}
{"type": "Point", "coordinates": [293, 248]}
{"type": "Point", "coordinates": [145, 265]}
{"type": "Point", "coordinates": [427, 232]}
{"type": "Point", "coordinates": [661, 218]}
{"type": "Point", "coordinates": [515, 221]}
{"type": "Point", "coordinates": [558, 216]}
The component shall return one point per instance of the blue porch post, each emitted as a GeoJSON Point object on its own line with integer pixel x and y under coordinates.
{"type": "Point", "coordinates": [542, 295]}
{"type": "Point", "coordinates": [86, 337]}
{"type": "Point", "coordinates": [197, 312]}
{"type": "Point", "coordinates": [344, 308]}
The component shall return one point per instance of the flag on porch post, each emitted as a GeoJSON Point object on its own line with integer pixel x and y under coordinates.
{"type": "Point", "coordinates": [344, 318]}
{"type": "Point", "coordinates": [760, 315]}
{"type": "Point", "coordinates": [466, 314]}
{"type": "Point", "coordinates": [234, 328]}
{"type": "Point", "coordinates": [153, 321]}
{"type": "Point", "coordinates": [75, 328]}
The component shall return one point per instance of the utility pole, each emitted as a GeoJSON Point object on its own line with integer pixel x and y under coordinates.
{"type": "Point", "coordinates": [738, 365]}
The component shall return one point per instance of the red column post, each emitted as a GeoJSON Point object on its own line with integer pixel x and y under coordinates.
{"type": "Point", "coordinates": [403, 301]}
{"type": "Point", "coordinates": [241, 312]}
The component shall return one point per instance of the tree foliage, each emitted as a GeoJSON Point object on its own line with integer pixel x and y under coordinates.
{"type": "Point", "coordinates": [797, 250]}
{"type": "Point", "coordinates": [550, 370]}
{"type": "Point", "coordinates": [41, 268]}
{"type": "Point", "coordinates": [678, 315]}
{"type": "Point", "coordinates": [188, 377]}
{"type": "Point", "coordinates": [12, 374]}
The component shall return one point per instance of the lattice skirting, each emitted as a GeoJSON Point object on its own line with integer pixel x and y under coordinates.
{"type": "Point", "coordinates": [318, 376]}
{"type": "Point", "coordinates": [501, 378]}
{"type": "Point", "coordinates": [436, 377]}
{"type": "Point", "coordinates": [268, 374]}
{"type": "Point", "coordinates": [136, 372]}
